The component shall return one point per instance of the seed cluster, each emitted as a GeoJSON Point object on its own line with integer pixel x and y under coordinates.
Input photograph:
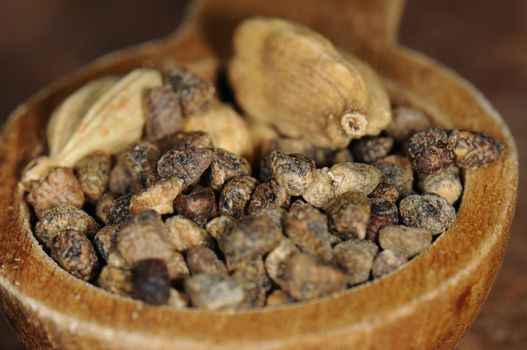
{"type": "Point", "coordinates": [173, 219]}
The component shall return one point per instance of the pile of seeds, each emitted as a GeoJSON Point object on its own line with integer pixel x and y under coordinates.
{"type": "Point", "coordinates": [187, 203]}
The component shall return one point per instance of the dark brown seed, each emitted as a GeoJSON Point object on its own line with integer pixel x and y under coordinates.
{"type": "Point", "coordinates": [62, 218]}
{"type": "Point", "coordinates": [120, 211]}
{"type": "Point", "coordinates": [427, 211]}
{"type": "Point", "coordinates": [144, 237]}
{"type": "Point", "coordinates": [93, 172]}
{"type": "Point", "coordinates": [254, 236]}
{"type": "Point", "coordinates": [254, 282]}
{"type": "Point", "coordinates": [163, 114]}
{"type": "Point", "coordinates": [104, 240]}
{"type": "Point", "coordinates": [269, 195]}
{"type": "Point", "coordinates": [198, 204]}
{"type": "Point", "coordinates": [405, 241]}
{"type": "Point", "coordinates": [349, 214]}
{"type": "Point", "coordinates": [235, 196]}
{"type": "Point", "coordinates": [383, 213]}
{"type": "Point", "coordinates": [203, 260]}
{"type": "Point", "coordinates": [292, 171]}
{"type": "Point", "coordinates": [386, 262]}
{"type": "Point", "coordinates": [220, 225]}
{"type": "Point", "coordinates": [74, 252]}
{"type": "Point", "coordinates": [139, 161]}
{"type": "Point", "coordinates": [355, 257]}
{"type": "Point", "coordinates": [116, 280]}
{"type": "Point", "coordinates": [104, 207]}
{"type": "Point", "coordinates": [225, 166]}
{"type": "Point", "coordinates": [473, 149]}
{"type": "Point", "coordinates": [429, 152]}
{"type": "Point", "coordinates": [369, 149]}
{"type": "Point", "coordinates": [307, 278]}
{"type": "Point", "coordinates": [151, 282]}
{"type": "Point", "coordinates": [58, 187]}
{"type": "Point", "coordinates": [194, 93]}
{"type": "Point", "coordinates": [397, 171]}
{"type": "Point", "coordinates": [265, 172]}
{"type": "Point", "coordinates": [214, 292]}
{"type": "Point", "coordinates": [187, 164]}
{"type": "Point", "coordinates": [159, 197]}
{"type": "Point", "coordinates": [385, 191]}
{"type": "Point", "coordinates": [407, 121]}
{"type": "Point", "coordinates": [308, 228]}
{"type": "Point", "coordinates": [186, 139]}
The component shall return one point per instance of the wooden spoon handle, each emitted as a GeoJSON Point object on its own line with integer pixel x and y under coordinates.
{"type": "Point", "coordinates": [348, 23]}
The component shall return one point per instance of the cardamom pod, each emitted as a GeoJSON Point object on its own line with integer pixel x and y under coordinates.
{"type": "Point", "coordinates": [378, 111]}
{"type": "Point", "coordinates": [115, 120]}
{"type": "Point", "coordinates": [290, 77]}
{"type": "Point", "coordinates": [227, 129]}
{"type": "Point", "coordinates": [67, 117]}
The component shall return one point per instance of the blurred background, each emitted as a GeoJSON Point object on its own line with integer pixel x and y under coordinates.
{"type": "Point", "coordinates": [484, 40]}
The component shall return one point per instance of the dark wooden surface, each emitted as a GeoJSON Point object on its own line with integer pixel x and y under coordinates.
{"type": "Point", "coordinates": [485, 41]}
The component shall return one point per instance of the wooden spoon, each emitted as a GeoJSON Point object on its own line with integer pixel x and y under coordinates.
{"type": "Point", "coordinates": [426, 305]}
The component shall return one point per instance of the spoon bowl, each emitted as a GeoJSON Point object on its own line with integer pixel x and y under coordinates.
{"type": "Point", "coordinates": [428, 304]}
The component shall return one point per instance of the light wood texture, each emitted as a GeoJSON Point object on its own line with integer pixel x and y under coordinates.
{"type": "Point", "coordinates": [426, 305]}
